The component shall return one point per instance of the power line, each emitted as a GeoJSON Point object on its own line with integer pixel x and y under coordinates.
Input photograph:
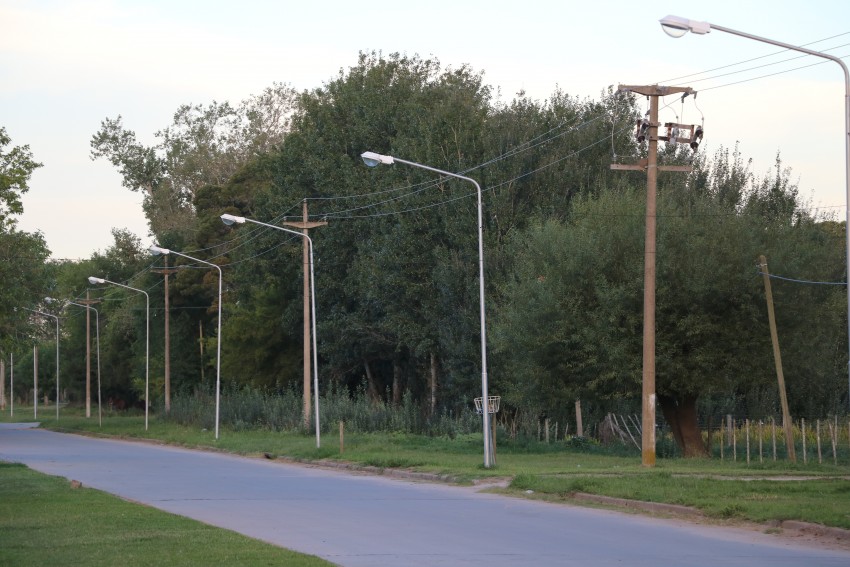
{"type": "Point", "coordinates": [793, 280]}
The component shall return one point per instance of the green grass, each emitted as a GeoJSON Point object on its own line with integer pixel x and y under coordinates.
{"type": "Point", "coordinates": [44, 521]}
{"type": "Point", "coordinates": [722, 489]}
{"type": "Point", "coordinates": [821, 501]}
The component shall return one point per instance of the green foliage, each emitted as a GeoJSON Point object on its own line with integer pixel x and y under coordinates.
{"type": "Point", "coordinates": [249, 408]}
{"type": "Point", "coordinates": [16, 167]}
{"type": "Point", "coordinates": [205, 145]}
{"type": "Point", "coordinates": [574, 301]}
{"type": "Point", "coordinates": [396, 266]}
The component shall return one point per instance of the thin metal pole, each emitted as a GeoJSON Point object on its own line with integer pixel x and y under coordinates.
{"type": "Point", "coordinates": [218, 341]}
{"type": "Point", "coordinates": [57, 368]}
{"type": "Point", "coordinates": [313, 300]}
{"type": "Point", "coordinates": [88, 307]}
{"type": "Point", "coordinates": [488, 450]}
{"type": "Point", "coordinates": [147, 344]}
{"type": "Point", "coordinates": [97, 335]}
{"type": "Point", "coordinates": [35, 381]}
{"type": "Point", "coordinates": [57, 358]}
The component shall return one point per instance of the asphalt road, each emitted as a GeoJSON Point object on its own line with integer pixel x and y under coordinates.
{"type": "Point", "coordinates": [359, 520]}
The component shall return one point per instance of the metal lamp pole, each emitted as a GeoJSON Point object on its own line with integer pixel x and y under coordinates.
{"type": "Point", "coordinates": [676, 26]}
{"type": "Point", "coordinates": [57, 354]}
{"type": "Point", "coordinates": [157, 250]}
{"type": "Point", "coordinates": [229, 220]}
{"type": "Point", "coordinates": [93, 280]}
{"type": "Point", "coordinates": [373, 159]}
{"type": "Point", "coordinates": [97, 339]}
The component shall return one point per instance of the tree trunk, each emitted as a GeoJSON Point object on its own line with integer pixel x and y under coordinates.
{"type": "Point", "coordinates": [681, 415]}
{"type": "Point", "coordinates": [397, 383]}
{"type": "Point", "coordinates": [372, 391]}
{"type": "Point", "coordinates": [433, 383]}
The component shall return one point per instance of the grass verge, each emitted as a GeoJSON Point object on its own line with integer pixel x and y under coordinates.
{"type": "Point", "coordinates": [813, 492]}
{"type": "Point", "coordinates": [45, 521]}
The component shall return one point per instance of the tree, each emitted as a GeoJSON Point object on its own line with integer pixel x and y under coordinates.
{"type": "Point", "coordinates": [396, 268]}
{"type": "Point", "coordinates": [16, 167]}
{"type": "Point", "coordinates": [205, 145]}
{"type": "Point", "coordinates": [23, 255]}
{"type": "Point", "coordinates": [574, 303]}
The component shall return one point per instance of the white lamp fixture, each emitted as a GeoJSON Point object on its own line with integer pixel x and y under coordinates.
{"type": "Point", "coordinates": [675, 26]}
{"type": "Point", "coordinates": [232, 219]}
{"type": "Point", "coordinates": [373, 159]}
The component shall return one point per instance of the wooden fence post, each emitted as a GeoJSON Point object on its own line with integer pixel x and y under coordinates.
{"type": "Point", "coordinates": [773, 434]}
{"type": "Point", "coordinates": [734, 443]}
{"type": "Point", "coordinates": [579, 428]}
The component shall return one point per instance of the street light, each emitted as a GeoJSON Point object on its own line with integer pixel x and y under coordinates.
{"type": "Point", "coordinates": [94, 281]}
{"type": "Point", "coordinates": [676, 26]}
{"type": "Point", "coordinates": [231, 219]}
{"type": "Point", "coordinates": [156, 250]}
{"type": "Point", "coordinates": [373, 159]}
{"type": "Point", "coordinates": [57, 355]}
{"type": "Point", "coordinates": [97, 337]}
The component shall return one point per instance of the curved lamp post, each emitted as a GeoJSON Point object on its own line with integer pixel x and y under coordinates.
{"type": "Point", "coordinates": [676, 26]}
{"type": "Point", "coordinates": [94, 281]}
{"type": "Point", "coordinates": [231, 219]}
{"type": "Point", "coordinates": [97, 338]}
{"type": "Point", "coordinates": [57, 354]}
{"type": "Point", "coordinates": [156, 250]}
{"type": "Point", "coordinates": [373, 159]}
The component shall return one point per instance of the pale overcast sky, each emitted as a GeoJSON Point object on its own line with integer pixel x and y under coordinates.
{"type": "Point", "coordinates": [66, 65]}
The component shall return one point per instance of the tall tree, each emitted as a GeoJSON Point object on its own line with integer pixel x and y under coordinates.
{"type": "Point", "coordinates": [574, 304]}
{"type": "Point", "coordinates": [23, 255]}
{"type": "Point", "coordinates": [16, 167]}
{"type": "Point", "coordinates": [205, 145]}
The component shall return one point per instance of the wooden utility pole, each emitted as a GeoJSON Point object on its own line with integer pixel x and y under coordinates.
{"type": "Point", "coordinates": [650, 165]}
{"type": "Point", "coordinates": [305, 225]}
{"type": "Point", "coordinates": [88, 302]}
{"type": "Point", "coordinates": [2, 384]}
{"type": "Point", "coordinates": [166, 272]}
{"type": "Point", "coordinates": [777, 360]}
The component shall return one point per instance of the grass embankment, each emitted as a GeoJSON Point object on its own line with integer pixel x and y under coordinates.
{"type": "Point", "coordinates": [722, 489]}
{"type": "Point", "coordinates": [45, 521]}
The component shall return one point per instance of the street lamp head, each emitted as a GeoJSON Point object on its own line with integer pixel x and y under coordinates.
{"type": "Point", "coordinates": [156, 250]}
{"type": "Point", "coordinates": [676, 26]}
{"type": "Point", "coordinates": [231, 219]}
{"type": "Point", "coordinates": [94, 281]}
{"type": "Point", "coordinates": [373, 159]}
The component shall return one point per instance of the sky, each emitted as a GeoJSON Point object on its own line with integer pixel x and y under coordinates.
{"type": "Point", "coordinates": [65, 65]}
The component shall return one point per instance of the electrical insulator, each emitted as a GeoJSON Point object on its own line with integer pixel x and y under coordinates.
{"type": "Point", "coordinates": [697, 138]}
{"type": "Point", "coordinates": [642, 127]}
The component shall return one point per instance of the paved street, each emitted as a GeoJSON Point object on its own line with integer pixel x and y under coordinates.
{"type": "Point", "coordinates": [359, 520]}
